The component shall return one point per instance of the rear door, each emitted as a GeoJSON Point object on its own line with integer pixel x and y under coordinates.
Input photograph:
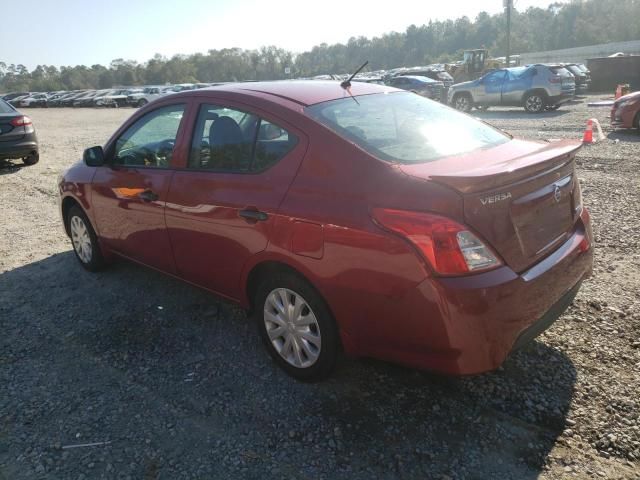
{"type": "Point", "coordinates": [221, 206]}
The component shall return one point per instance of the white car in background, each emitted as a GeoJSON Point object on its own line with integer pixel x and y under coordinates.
{"type": "Point", "coordinates": [148, 94]}
{"type": "Point", "coordinates": [114, 98]}
{"type": "Point", "coordinates": [33, 100]}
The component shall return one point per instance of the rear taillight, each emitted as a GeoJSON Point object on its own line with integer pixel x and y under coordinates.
{"type": "Point", "coordinates": [555, 79]}
{"type": "Point", "coordinates": [448, 247]}
{"type": "Point", "coordinates": [22, 121]}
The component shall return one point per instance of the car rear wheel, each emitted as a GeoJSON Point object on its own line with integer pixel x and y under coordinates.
{"type": "Point", "coordinates": [462, 102]}
{"type": "Point", "coordinates": [637, 122]}
{"type": "Point", "coordinates": [296, 326]}
{"type": "Point", "coordinates": [142, 102]}
{"type": "Point", "coordinates": [534, 103]}
{"type": "Point", "coordinates": [31, 159]}
{"type": "Point", "coordinates": [84, 240]}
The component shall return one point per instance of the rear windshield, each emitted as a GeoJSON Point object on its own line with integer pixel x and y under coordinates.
{"type": "Point", "coordinates": [403, 127]}
{"type": "Point", "coordinates": [575, 70]}
{"type": "Point", "coordinates": [5, 107]}
{"type": "Point", "coordinates": [563, 72]}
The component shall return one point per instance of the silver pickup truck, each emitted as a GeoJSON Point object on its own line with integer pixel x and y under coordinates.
{"type": "Point", "coordinates": [535, 87]}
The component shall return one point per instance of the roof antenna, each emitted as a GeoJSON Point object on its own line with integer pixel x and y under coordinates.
{"type": "Point", "coordinates": [347, 83]}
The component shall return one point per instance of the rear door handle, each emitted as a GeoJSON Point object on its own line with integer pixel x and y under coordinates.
{"type": "Point", "coordinates": [148, 196]}
{"type": "Point", "coordinates": [253, 215]}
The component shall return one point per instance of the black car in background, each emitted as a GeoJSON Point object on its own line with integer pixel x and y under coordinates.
{"type": "Point", "coordinates": [423, 86]}
{"type": "Point", "coordinates": [581, 74]}
{"type": "Point", "coordinates": [17, 136]}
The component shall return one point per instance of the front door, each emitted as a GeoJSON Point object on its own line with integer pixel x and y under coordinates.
{"type": "Point", "coordinates": [491, 93]}
{"type": "Point", "coordinates": [130, 190]}
{"type": "Point", "coordinates": [221, 207]}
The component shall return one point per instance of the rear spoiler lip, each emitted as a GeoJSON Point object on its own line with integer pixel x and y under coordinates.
{"type": "Point", "coordinates": [552, 156]}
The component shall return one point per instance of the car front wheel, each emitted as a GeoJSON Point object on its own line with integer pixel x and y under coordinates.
{"type": "Point", "coordinates": [296, 326]}
{"type": "Point", "coordinates": [84, 240]}
{"type": "Point", "coordinates": [462, 103]}
{"type": "Point", "coordinates": [534, 103]}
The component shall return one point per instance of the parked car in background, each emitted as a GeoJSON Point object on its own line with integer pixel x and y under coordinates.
{"type": "Point", "coordinates": [155, 93]}
{"type": "Point", "coordinates": [424, 86]}
{"type": "Point", "coordinates": [88, 99]}
{"type": "Point", "coordinates": [114, 98]}
{"type": "Point", "coordinates": [582, 77]}
{"type": "Point", "coordinates": [15, 101]}
{"type": "Point", "coordinates": [67, 100]}
{"type": "Point", "coordinates": [372, 221]}
{"type": "Point", "coordinates": [34, 100]}
{"type": "Point", "coordinates": [18, 138]}
{"type": "Point", "coordinates": [625, 112]}
{"type": "Point", "coordinates": [438, 74]}
{"type": "Point", "coordinates": [10, 96]}
{"type": "Point", "coordinates": [144, 96]}
{"type": "Point", "coordinates": [535, 87]}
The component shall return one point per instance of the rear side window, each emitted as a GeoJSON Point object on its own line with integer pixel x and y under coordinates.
{"type": "Point", "coordinates": [401, 127]}
{"type": "Point", "coordinates": [229, 140]}
{"type": "Point", "coordinates": [5, 107]}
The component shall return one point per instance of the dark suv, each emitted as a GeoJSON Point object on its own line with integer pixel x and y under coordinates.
{"type": "Point", "coordinates": [581, 74]}
{"type": "Point", "coordinates": [424, 86]}
{"type": "Point", "coordinates": [17, 136]}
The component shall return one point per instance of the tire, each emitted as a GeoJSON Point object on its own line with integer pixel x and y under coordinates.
{"type": "Point", "coordinates": [142, 102]}
{"type": "Point", "coordinates": [86, 248]}
{"type": "Point", "coordinates": [535, 102]}
{"type": "Point", "coordinates": [636, 122]}
{"type": "Point", "coordinates": [311, 334]}
{"type": "Point", "coordinates": [31, 159]}
{"type": "Point", "coordinates": [462, 102]}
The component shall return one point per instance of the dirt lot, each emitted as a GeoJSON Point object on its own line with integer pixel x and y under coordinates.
{"type": "Point", "coordinates": [177, 385]}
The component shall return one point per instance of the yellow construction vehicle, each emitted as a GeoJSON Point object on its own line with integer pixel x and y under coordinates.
{"type": "Point", "coordinates": [476, 63]}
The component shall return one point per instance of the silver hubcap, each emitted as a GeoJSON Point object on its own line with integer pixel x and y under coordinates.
{"type": "Point", "coordinates": [462, 103]}
{"type": "Point", "coordinates": [81, 239]}
{"type": "Point", "coordinates": [292, 327]}
{"type": "Point", "coordinates": [534, 103]}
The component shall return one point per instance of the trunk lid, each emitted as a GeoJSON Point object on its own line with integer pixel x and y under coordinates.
{"type": "Point", "coordinates": [520, 196]}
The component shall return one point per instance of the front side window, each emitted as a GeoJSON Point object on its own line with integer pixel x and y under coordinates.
{"type": "Point", "coordinates": [230, 140]}
{"type": "Point", "coordinates": [150, 141]}
{"type": "Point", "coordinates": [405, 128]}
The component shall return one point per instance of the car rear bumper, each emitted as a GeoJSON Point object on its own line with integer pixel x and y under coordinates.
{"type": "Point", "coordinates": [19, 148]}
{"type": "Point", "coordinates": [470, 325]}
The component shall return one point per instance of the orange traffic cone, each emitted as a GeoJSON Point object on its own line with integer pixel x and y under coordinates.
{"type": "Point", "coordinates": [618, 91]}
{"type": "Point", "coordinates": [588, 133]}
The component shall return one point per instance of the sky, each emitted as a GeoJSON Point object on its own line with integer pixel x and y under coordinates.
{"type": "Point", "coordinates": [72, 32]}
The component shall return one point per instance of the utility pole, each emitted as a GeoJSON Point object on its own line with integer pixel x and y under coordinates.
{"type": "Point", "coordinates": [508, 4]}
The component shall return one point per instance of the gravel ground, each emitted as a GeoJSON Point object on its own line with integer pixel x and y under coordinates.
{"type": "Point", "coordinates": [174, 384]}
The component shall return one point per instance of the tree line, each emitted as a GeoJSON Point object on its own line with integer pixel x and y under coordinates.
{"type": "Point", "coordinates": [560, 25]}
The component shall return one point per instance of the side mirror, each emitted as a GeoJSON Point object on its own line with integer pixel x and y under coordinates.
{"type": "Point", "coordinates": [94, 156]}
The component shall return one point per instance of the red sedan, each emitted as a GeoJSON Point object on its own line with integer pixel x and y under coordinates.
{"type": "Point", "coordinates": [365, 219]}
{"type": "Point", "coordinates": [625, 112]}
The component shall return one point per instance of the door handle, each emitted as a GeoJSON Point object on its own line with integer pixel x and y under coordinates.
{"type": "Point", "coordinates": [253, 215]}
{"type": "Point", "coordinates": [148, 196]}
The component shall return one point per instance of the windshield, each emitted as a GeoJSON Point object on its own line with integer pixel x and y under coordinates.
{"type": "Point", "coordinates": [405, 128]}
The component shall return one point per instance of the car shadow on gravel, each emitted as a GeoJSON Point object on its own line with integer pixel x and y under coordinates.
{"type": "Point", "coordinates": [625, 135]}
{"type": "Point", "coordinates": [7, 167]}
{"type": "Point", "coordinates": [179, 384]}
{"type": "Point", "coordinates": [517, 114]}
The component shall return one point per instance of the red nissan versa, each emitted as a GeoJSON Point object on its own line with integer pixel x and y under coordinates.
{"type": "Point", "coordinates": [364, 219]}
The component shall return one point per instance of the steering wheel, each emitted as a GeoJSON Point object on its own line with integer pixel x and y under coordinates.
{"type": "Point", "coordinates": [163, 152]}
